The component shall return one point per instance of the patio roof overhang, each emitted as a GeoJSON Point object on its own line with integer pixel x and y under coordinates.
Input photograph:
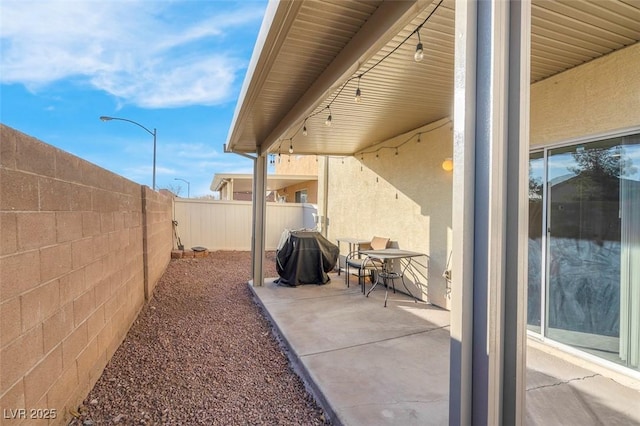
{"type": "Point", "coordinates": [309, 54]}
{"type": "Point", "coordinates": [244, 182]}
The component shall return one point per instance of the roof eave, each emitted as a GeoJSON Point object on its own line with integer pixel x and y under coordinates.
{"type": "Point", "coordinates": [277, 20]}
{"type": "Point", "coordinates": [382, 26]}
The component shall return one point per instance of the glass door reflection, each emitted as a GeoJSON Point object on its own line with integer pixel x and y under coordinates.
{"type": "Point", "coordinates": [584, 247]}
{"type": "Point", "coordinates": [535, 241]}
{"type": "Point", "coordinates": [583, 297]}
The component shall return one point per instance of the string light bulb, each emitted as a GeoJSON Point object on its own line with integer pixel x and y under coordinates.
{"type": "Point", "coordinates": [327, 122]}
{"type": "Point", "coordinates": [290, 147]}
{"type": "Point", "coordinates": [304, 128]}
{"type": "Point", "coordinates": [358, 97]}
{"type": "Point", "coordinates": [419, 55]}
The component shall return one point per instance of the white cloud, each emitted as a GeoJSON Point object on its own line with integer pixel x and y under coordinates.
{"type": "Point", "coordinates": [138, 173]}
{"type": "Point", "coordinates": [190, 151]}
{"type": "Point", "coordinates": [166, 171]}
{"type": "Point", "coordinates": [146, 53]}
{"type": "Point", "coordinates": [204, 81]}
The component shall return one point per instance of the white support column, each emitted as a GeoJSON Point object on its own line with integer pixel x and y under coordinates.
{"type": "Point", "coordinates": [325, 197]}
{"type": "Point", "coordinates": [491, 113]}
{"type": "Point", "coordinates": [259, 218]}
{"type": "Point", "coordinates": [460, 374]}
{"type": "Point", "coordinates": [517, 216]}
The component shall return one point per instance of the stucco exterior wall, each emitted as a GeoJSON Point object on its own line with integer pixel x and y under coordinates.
{"type": "Point", "coordinates": [297, 165]}
{"type": "Point", "coordinates": [405, 197]}
{"type": "Point", "coordinates": [290, 191]}
{"type": "Point", "coordinates": [596, 98]}
{"type": "Point", "coordinates": [72, 270]}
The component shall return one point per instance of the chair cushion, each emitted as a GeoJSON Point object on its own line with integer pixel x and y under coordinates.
{"type": "Point", "coordinates": [379, 243]}
{"type": "Point", "coordinates": [357, 263]}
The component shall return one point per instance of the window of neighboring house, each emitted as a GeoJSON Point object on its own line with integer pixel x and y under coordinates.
{"type": "Point", "coordinates": [301, 196]}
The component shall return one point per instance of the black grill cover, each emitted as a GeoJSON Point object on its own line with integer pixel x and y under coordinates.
{"type": "Point", "coordinates": [305, 258]}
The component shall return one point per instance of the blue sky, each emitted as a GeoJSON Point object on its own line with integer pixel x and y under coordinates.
{"type": "Point", "coordinates": [173, 65]}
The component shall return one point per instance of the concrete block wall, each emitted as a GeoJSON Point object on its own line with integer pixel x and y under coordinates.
{"type": "Point", "coordinates": [72, 272]}
{"type": "Point", "coordinates": [157, 208]}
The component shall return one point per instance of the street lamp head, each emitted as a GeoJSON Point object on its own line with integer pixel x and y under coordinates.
{"type": "Point", "coordinates": [188, 186]}
{"type": "Point", "coordinates": [107, 118]}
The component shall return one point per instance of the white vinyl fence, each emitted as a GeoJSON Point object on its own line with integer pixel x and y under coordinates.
{"type": "Point", "coordinates": [227, 225]}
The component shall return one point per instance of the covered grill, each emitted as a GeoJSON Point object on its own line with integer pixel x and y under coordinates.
{"type": "Point", "coordinates": [305, 257]}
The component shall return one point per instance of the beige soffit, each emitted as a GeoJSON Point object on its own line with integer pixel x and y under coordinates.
{"type": "Point", "coordinates": [308, 50]}
{"type": "Point", "coordinates": [244, 182]}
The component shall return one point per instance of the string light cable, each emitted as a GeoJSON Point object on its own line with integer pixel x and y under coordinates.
{"type": "Point", "coordinates": [320, 109]}
{"type": "Point", "coordinates": [404, 142]}
{"type": "Point", "coordinates": [385, 57]}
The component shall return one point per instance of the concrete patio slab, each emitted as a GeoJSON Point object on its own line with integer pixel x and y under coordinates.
{"type": "Point", "coordinates": [371, 365]}
{"type": "Point", "coordinates": [590, 401]}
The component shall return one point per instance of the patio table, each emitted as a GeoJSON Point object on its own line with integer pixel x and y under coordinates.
{"type": "Point", "coordinates": [386, 255]}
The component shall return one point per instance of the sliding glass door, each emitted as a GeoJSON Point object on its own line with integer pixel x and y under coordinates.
{"type": "Point", "coordinates": [583, 240]}
{"type": "Point", "coordinates": [536, 247]}
{"type": "Point", "coordinates": [584, 247]}
{"type": "Point", "coordinates": [630, 252]}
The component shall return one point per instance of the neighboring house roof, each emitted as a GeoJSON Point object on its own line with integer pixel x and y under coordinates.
{"type": "Point", "coordinates": [307, 50]}
{"type": "Point", "coordinates": [244, 182]}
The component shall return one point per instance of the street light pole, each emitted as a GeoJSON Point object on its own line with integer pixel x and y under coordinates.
{"type": "Point", "coordinates": [188, 186]}
{"type": "Point", "coordinates": [107, 118]}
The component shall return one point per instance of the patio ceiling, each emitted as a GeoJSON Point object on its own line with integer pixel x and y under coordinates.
{"type": "Point", "coordinates": [311, 54]}
{"type": "Point", "coordinates": [244, 182]}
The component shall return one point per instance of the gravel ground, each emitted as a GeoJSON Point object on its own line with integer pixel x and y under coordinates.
{"type": "Point", "coordinates": [201, 352]}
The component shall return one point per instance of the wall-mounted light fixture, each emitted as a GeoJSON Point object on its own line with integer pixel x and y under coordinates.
{"type": "Point", "coordinates": [447, 164]}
